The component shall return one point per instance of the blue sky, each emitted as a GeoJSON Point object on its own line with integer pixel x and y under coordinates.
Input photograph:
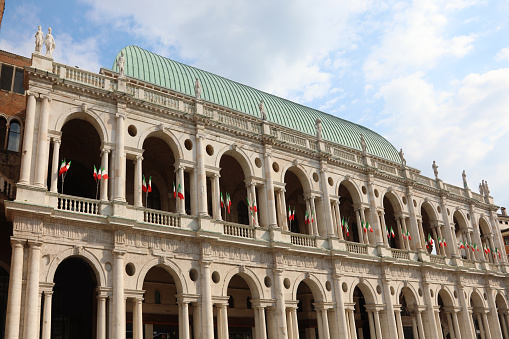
{"type": "Point", "coordinates": [431, 76]}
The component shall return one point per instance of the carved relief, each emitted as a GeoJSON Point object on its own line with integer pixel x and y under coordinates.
{"type": "Point", "coordinates": [22, 224]}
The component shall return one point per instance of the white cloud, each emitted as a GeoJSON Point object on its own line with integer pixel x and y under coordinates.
{"type": "Point", "coordinates": [464, 129]}
{"type": "Point", "coordinates": [415, 38]}
{"type": "Point", "coordinates": [503, 55]}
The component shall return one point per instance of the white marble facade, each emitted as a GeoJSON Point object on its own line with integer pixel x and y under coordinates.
{"type": "Point", "coordinates": [448, 293]}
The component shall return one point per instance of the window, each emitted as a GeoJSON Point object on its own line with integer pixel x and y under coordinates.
{"type": "Point", "coordinates": [11, 79]}
{"type": "Point", "coordinates": [14, 136]}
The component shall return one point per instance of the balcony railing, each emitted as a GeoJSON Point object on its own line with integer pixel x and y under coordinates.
{"type": "Point", "coordinates": [161, 218]}
{"type": "Point", "coordinates": [436, 259]}
{"type": "Point", "coordinates": [303, 240]}
{"type": "Point", "coordinates": [356, 248]}
{"type": "Point", "coordinates": [400, 254]}
{"type": "Point", "coordinates": [78, 204]}
{"type": "Point", "coordinates": [237, 230]}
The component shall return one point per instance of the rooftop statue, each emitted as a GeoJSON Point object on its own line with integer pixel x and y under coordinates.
{"type": "Point", "coordinates": [363, 145]}
{"type": "Point", "coordinates": [39, 40]}
{"type": "Point", "coordinates": [486, 188]}
{"type": "Point", "coordinates": [50, 43]}
{"type": "Point", "coordinates": [402, 156]}
{"type": "Point", "coordinates": [464, 175]}
{"type": "Point", "coordinates": [197, 89]}
{"type": "Point", "coordinates": [121, 64]}
{"type": "Point", "coordinates": [481, 188]}
{"type": "Point", "coordinates": [261, 106]}
{"type": "Point", "coordinates": [435, 169]}
{"type": "Point", "coordinates": [318, 124]}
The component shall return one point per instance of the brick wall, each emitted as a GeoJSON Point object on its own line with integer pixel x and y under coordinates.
{"type": "Point", "coordinates": [13, 103]}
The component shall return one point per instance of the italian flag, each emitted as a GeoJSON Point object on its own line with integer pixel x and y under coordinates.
{"type": "Point", "coordinates": [408, 235]}
{"type": "Point", "coordinates": [104, 174]}
{"type": "Point", "coordinates": [180, 194]}
{"type": "Point", "coordinates": [462, 245]}
{"type": "Point", "coordinates": [388, 233]}
{"type": "Point", "coordinates": [343, 222]}
{"type": "Point", "coordinates": [64, 167]}
{"type": "Point", "coordinates": [96, 176]}
{"type": "Point", "coordinates": [175, 194]}
{"type": "Point", "coordinates": [222, 200]}
{"type": "Point", "coordinates": [312, 218]}
{"type": "Point", "coordinates": [392, 232]}
{"type": "Point", "coordinates": [228, 201]}
{"type": "Point", "coordinates": [403, 234]}
{"type": "Point", "coordinates": [291, 215]}
{"type": "Point", "coordinates": [369, 227]}
{"type": "Point", "coordinates": [440, 242]}
{"type": "Point", "coordinates": [430, 239]}
{"type": "Point", "coordinates": [144, 185]}
{"type": "Point", "coordinates": [347, 229]}
{"type": "Point", "coordinates": [364, 228]}
{"type": "Point", "coordinates": [306, 218]}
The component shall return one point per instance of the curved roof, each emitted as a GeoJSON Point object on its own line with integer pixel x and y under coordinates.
{"type": "Point", "coordinates": [161, 71]}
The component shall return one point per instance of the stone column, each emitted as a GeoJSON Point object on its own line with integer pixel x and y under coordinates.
{"type": "Point", "coordinates": [54, 165]}
{"type": "Point", "coordinates": [435, 239]}
{"type": "Point", "coordinates": [326, 199]}
{"type": "Point", "coordinates": [15, 287]}
{"type": "Point", "coordinates": [452, 244]}
{"type": "Point", "coordinates": [46, 316]}
{"type": "Point", "coordinates": [180, 203]}
{"type": "Point", "coordinates": [363, 219]}
{"type": "Point", "coordinates": [333, 325]}
{"type": "Point", "coordinates": [262, 205]}
{"type": "Point", "coordinates": [289, 324]}
{"type": "Point", "coordinates": [120, 160]}
{"type": "Point", "coordinates": [138, 318]}
{"type": "Point", "coordinates": [353, 329]}
{"type": "Point", "coordinates": [428, 301]}
{"type": "Point", "coordinates": [378, 328]}
{"type": "Point", "coordinates": [284, 215]}
{"type": "Point", "coordinates": [280, 218]}
{"type": "Point", "coordinates": [413, 222]}
{"type": "Point", "coordinates": [456, 325]}
{"type": "Point", "coordinates": [197, 323]}
{"type": "Point", "coordinates": [101, 317]}
{"type": "Point", "coordinates": [439, 232]}
{"type": "Point", "coordinates": [307, 199]}
{"type": "Point", "coordinates": [339, 230]}
{"type": "Point", "coordinates": [325, 323]}
{"type": "Point", "coordinates": [450, 325]}
{"type": "Point", "coordinates": [216, 197]}
{"type": "Point", "coordinates": [31, 321]}
{"type": "Point", "coordinates": [391, 321]}
{"type": "Point", "coordinates": [280, 304]}
{"type": "Point", "coordinates": [439, 325]}
{"type": "Point", "coordinates": [359, 227]}
{"type": "Point", "coordinates": [201, 178]}
{"type": "Point", "coordinates": [118, 313]}
{"type": "Point", "coordinates": [422, 236]}
{"type": "Point", "coordinates": [184, 320]}
{"type": "Point", "coordinates": [397, 313]}
{"type": "Point", "coordinates": [481, 326]}
{"type": "Point", "coordinates": [372, 333]}
{"type": "Point", "coordinates": [252, 190]}
{"type": "Point", "coordinates": [400, 233]}
{"type": "Point", "coordinates": [495, 324]}
{"type": "Point", "coordinates": [486, 325]}
{"type": "Point", "coordinates": [293, 312]}
{"type": "Point", "coordinates": [260, 322]}
{"type": "Point", "coordinates": [383, 226]}
{"type": "Point", "coordinates": [403, 224]}
{"type": "Point", "coordinates": [104, 165]}
{"type": "Point", "coordinates": [269, 184]}
{"type": "Point", "coordinates": [319, 323]}
{"type": "Point", "coordinates": [28, 140]}
{"type": "Point", "coordinates": [41, 168]}
{"type": "Point", "coordinates": [377, 228]}
{"type": "Point", "coordinates": [504, 325]}
{"type": "Point", "coordinates": [420, 326]}
{"type": "Point", "coordinates": [340, 307]}
{"type": "Point", "coordinates": [465, 318]}
{"type": "Point", "coordinates": [206, 300]}
{"type": "Point", "coordinates": [138, 195]}
{"type": "Point", "coordinates": [222, 321]}
{"type": "Point", "coordinates": [314, 224]}
{"type": "Point", "coordinates": [271, 323]}
{"type": "Point", "coordinates": [414, 328]}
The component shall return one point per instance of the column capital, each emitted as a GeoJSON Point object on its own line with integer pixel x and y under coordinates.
{"type": "Point", "coordinates": [34, 244]}
{"type": "Point", "coordinates": [118, 253]}
{"type": "Point", "coordinates": [216, 175]}
{"type": "Point", "coordinates": [56, 140]}
{"type": "Point", "coordinates": [120, 115]}
{"type": "Point", "coordinates": [47, 293]}
{"type": "Point", "coordinates": [139, 157]}
{"type": "Point", "coordinates": [105, 150]}
{"type": "Point", "coordinates": [46, 97]}
{"type": "Point", "coordinates": [17, 242]}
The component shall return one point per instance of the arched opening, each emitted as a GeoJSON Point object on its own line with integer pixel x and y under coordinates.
{"type": "Point", "coordinates": [295, 201]}
{"type": "Point", "coordinates": [160, 309]}
{"type": "Point", "coordinates": [347, 212]}
{"type": "Point", "coordinates": [74, 302]}
{"type": "Point", "coordinates": [241, 322]}
{"type": "Point", "coordinates": [502, 315]}
{"type": "Point", "coordinates": [445, 314]}
{"type": "Point", "coordinates": [232, 184]}
{"type": "Point", "coordinates": [479, 318]}
{"type": "Point", "coordinates": [81, 145]}
{"type": "Point", "coordinates": [460, 232]}
{"type": "Point", "coordinates": [158, 164]}
{"type": "Point", "coordinates": [394, 227]}
{"type": "Point", "coordinates": [484, 232]}
{"type": "Point", "coordinates": [427, 219]}
{"type": "Point", "coordinates": [14, 138]}
{"type": "Point", "coordinates": [4, 290]}
{"type": "Point", "coordinates": [306, 312]}
{"type": "Point", "coordinates": [409, 314]}
{"type": "Point", "coordinates": [361, 315]}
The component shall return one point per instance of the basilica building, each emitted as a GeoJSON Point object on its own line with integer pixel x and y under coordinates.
{"type": "Point", "coordinates": [158, 200]}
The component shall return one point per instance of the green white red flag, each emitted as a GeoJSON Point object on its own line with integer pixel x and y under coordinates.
{"type": "Point", "coordinates": [180, 194]}
{"type": "Point", "coordinates": [64, 167]}
{"type": "Point", "coordinates": [222, 200]}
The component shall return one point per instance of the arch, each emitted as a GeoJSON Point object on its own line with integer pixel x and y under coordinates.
{"type": "Point", "coordinates": [353, 189]}
{"type": "Point", "coordinates": [249, 276]}
{"type": "Point", "coordinates": [484, 225]}
{"type": "Point", "coordinates": [367, 290]}
{"type": "Point", "coordinates": [410, 294]}
{"type": "Point", "coordinates": [90, 116]}
{"type": "Point", "coordinates": [239, 155]}
{"type": "Point", "coordinates": [171, 267]}
{"type": "Point", "coordinates": [500, 300]}
{"type": "Point", "coordinates": [314, 284]}
{"type": "Point", "coordinates": [432, 213]}
{"type": "Point", "coordinates": [476, 300]}
{"type": "Point", "coordinates": [395, 201]}
{"type": "Point", "coordinates": [461, 218]}
{"type": "Point", "coordinates": [167, 136]}
{"type": "Point", "coordinates": [300, 172]}
{"type": "Point", "coordinates": [86, 255]}
{"type": "Point", "coordinates": [445, 295]}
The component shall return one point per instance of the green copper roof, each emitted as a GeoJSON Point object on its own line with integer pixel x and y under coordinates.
{"type": "Point", "coordinates": [161, 71]}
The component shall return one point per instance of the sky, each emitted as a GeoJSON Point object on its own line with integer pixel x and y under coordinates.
{"type": "Point", "coordinates": [431, 76]}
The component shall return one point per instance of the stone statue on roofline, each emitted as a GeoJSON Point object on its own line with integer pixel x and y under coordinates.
{"type": "Point", "coordinates": [363, 145]}
{"type": "Point", "coordinates": [435, 169]}
{"type": "Point", "coordinates": [121, 65]}
{"type": "Point", "coordinates": [481, 188]}
{"type": "Point", "coordinates": [50, 44]}
{"type": "Point", "coordinates": [464, 175]}
{"type": "Point", "coordinates": [318, 125]}
{"type": "Point", "coordinates": [261, 107]}
{"type": "Point", "coordinates": [39, 40]}
{"type": "Point", "coordinates": [486, 188]}
{"type": "Point", "coordinates": [402, 156]}
{"type": "Point", "coordinates": [197, 89]}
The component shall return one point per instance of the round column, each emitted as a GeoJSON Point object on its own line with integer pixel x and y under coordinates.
{"type": "Point", "coordinates": [101, 317]}
{"type": "Point", "coordinates": [46, 317]}
{"type": "Point", "coordinates": [54, 165]}
{"type": "Point", "coordinates": [104, 165]}
{"type": "Point", "coordinates": [138, 167]}
{"type": "Point", "coordinates": [15, 287]}
{"type": "Point", "coordinates": [206, 299]}
{"type": "Point", "coordinates": [280, 303]}
{"type": "Point", "coordinates": [271, 204]}
{"type": "Point", "coordinates": [28, 140]}
{"type": "Point", "coordinates": [120, 160]}
{"type": "Point", "coordinates": [118, 315]}
{"type": "Point", "coordinates": [32, 301]}
{"type": "Point", "coordinates": [201, 177]}
{"type": "Point", "coordinates": [41, 168]}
